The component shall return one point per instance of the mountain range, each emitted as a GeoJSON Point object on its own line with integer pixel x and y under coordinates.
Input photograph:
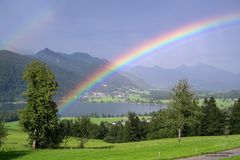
{"type": "Point", "coordinates": [201, 77]}
{"type": "Point", "coordinates": [69, 69]}
{"type": "Point", "coordinates": [72, 69]}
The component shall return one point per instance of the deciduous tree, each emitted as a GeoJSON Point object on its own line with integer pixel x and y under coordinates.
{"type": "Point", "coordinates": [39, 118]}
{"type": "Point", "coordinates": [183, 107]}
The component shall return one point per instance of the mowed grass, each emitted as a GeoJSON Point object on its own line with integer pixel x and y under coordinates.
{"type": "Point", "coordinates": [16, 139]}
{"type": "Point", "coordinates": [16, 148]}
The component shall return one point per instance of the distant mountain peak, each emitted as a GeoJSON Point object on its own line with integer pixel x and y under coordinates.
{"type": "Point", "coordinates": [203, 76]}
{"type": "Point", "coordinates": [50, 55]}
{"type": "Point", "coordinates": [46, 51]}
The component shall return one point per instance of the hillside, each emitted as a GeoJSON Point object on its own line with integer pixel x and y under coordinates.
{"type": "Point", "coordinates": [201, 77]}
{"type": "Point", "coordinates": [11, 71]}
{"type": "Point", "coordinates": [70, 70]}
{"type": "Point", "coordinates": [81, 65]}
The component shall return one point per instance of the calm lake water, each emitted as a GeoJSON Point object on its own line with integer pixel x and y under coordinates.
{"type": "Point", "coordinates": [116, 109]}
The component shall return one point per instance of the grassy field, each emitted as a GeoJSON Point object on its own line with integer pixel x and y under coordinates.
{"type": "Point", "coordinates": [16, 148]}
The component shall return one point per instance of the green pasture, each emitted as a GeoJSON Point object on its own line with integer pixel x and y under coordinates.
{"type": "Point", "coordinates": [16, 148]}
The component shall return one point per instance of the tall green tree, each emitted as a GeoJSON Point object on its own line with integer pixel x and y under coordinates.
{"type": "Point", "coordinates": [39, 118]}
{"type": "Point", "coordinates": [183, 107]}
{"type": "Point", "coordinates": [235, 117]}
{"type": "Point", "coordinates": [213, 120]}
{"type": "Point", "coordinates": [3, 133]}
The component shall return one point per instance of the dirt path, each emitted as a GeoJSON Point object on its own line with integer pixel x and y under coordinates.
{"type": "Point", "coordinates": [215, 155]}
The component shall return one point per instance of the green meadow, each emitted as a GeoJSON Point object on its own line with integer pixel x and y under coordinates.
{"type": "Point", "coordinates": [15, 147]}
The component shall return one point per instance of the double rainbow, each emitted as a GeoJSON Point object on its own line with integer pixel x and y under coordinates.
{"type": "Point", "coordinates": [169, 39]}
{"type": "Point", "coordinates": [26, 31]}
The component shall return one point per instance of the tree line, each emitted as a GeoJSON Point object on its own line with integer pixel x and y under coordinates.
{"type": "Point", "coordinates": [82, 129]}
{"type": "Point", "coordinates": [208, 120]}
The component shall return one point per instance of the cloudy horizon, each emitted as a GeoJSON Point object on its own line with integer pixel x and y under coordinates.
{"type": "Point", "coordinates": [108, 29]}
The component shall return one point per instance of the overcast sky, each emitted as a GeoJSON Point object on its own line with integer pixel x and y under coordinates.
{"type": "Point", "coordinates": [111, 28]}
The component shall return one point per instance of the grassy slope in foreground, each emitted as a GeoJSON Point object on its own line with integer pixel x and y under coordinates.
{"type": "Point", "coordinates": [167, 148]}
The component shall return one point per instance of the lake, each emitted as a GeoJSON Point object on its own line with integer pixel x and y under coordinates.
{"type": "Point", "coordinates": [115, 109]}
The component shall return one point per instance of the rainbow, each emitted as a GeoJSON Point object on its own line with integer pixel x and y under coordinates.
{"type": "Point", "coordinates": [169, 39]}
{"type": "Point", "coordinates": [27, 30]}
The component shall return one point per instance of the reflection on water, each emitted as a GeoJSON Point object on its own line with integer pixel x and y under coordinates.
{"type": "Point", "coordinates": [114, 109]}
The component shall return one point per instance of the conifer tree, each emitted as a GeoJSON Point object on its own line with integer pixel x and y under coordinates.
{"type": "Point", "coordinates": [212, 122]}
{"type": "Point", "coordinates": [235, 118]}
{"type": "Point", "coordinates": [133, 128]}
